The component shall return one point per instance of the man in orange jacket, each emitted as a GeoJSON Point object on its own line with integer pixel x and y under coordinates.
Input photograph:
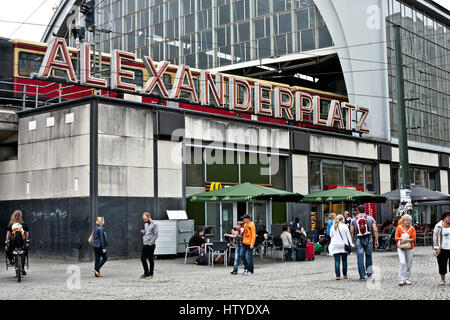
{"type": "Point", "coordinates": [248, 242]}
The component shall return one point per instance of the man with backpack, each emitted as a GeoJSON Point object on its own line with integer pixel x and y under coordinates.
{"type": "Point", "coordinates": [364, 232]}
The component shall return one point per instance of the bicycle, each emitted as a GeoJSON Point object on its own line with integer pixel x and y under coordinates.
{"type": "Point", "coordinates": [20, 260]}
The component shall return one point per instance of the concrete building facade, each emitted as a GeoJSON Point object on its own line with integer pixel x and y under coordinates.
{"type": "Point", "coordinates": [99, 156]}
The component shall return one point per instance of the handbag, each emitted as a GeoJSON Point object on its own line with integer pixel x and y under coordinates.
{"type": "Point", "coordinates": [347, 247]}
{"type": "Point", "coordinates": [405, 236]}
{"type": "Point", "coordinates": [91, 238]}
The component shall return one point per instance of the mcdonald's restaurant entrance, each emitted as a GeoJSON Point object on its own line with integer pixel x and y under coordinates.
{"type": "Point", "coordinates": [223, 216]}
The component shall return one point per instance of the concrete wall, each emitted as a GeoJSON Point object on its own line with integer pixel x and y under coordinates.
{"type": "Point", "coordinates": [343, 147]}
{"type": "Point", "coordinates": [300, 181]}
{"type": "Point", "coordinates": [207, 129]}
{"type": "Point", "coordinates": [51, 155]}
{"type": "Point", "coordinates": [125, 152]}
{"type": "Point", "coordinates": [418, 157]}
{"type": "Point", "coordinates": [385, 178]}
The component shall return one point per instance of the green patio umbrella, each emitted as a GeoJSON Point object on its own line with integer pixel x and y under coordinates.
{"type": "Point", "coordinates": [343, 195]}
{"type": "Point", "coordinates": [246, 192]}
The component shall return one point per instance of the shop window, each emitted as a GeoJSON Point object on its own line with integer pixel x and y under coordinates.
{"type": "Point", "coordinates": [278, 171]}
{"type": "Point", "coordinates": [195, 173]}
{"type": "Point", "coordinates": [332, 173]}
{"type": "Point", "coordinates": [354, 175]}
{"type": "Point", "coordinates": [254, 168]}
{"type": "Point", "coordinates": [314, 174]}
{"type": "Point", "coordinates": [421, 177]}
{"type": "Point", "coordinates": [369, 187]}
{"type": "Point", "coordinates": [394, 178]}
{"type": "Point", "coordinates": [221, 165]}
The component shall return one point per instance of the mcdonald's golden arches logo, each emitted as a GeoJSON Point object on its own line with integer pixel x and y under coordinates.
{"type": "Point", "coordinates": [215, 186]}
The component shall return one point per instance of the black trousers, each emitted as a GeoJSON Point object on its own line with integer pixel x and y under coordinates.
{"type": "Point", "coordinates": [148, 254]}
{"type": "Point", "coordinates": [100, 258]}
{"type": "Point", "coordinates": [443, 261]}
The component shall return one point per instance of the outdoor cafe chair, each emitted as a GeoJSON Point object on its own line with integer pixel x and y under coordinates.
{"type": "Point", "coordinates": [218, 248]}
{"type": "Point", "coordinates": [278, 246]}
{"type": "Point", "coordinates": [424, 236]}
{"type": "Point", "coordinates": [188, 250]}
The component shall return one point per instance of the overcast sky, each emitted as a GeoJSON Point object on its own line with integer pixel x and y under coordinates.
{"type": "Point", "coordinates": [40, 12]}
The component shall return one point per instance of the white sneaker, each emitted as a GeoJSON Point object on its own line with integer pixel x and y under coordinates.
{"type": "Point", "coordinates": [408, 282]}
{"type": "Point", "coordinates": [245, 272]}
{"type": "Point", "coordinates": [442, 283]}
{"type": "Point", "coordinates": [249, 273]}
{"type": "Point", "coordinates": [401, 283]}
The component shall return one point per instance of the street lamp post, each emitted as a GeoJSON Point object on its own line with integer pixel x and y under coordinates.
{"type": "Point", "coordinates": [401, 115]}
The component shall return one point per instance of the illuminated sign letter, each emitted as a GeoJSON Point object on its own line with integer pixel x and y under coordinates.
{"type": "Point", "coordinates": [300, 107]}
{"type": "Point", "coordinates": [117, 73]}
{"type": "Point", "coordinates": [348, 115]}
{"type": "Point", "coordinates": [207, 83]}
{"type": "Point", "coordinates": [316, 112]}
{"type": "Point", "coordinates": [178, 85]}
{"type": "Point", "coordinates": [362, 120]}
{"type": "Point", "coordinates": [260, 100]}
{"type": "Point", "coordinates": [50, 62]}
{"type": "Point", "coordinates": [283, 106]}
{"type": "Point", "coordinates": [156, 79]}
{"type": "Point", "coordinates": [86, 77]}
{"type": "Point", "coordinates": [335, 114]}
{"type": "Point", "coordinates": [247, 98]}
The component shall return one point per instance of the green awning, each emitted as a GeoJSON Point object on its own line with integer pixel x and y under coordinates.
{"type": "Point", "coordinates": [246, 192]}
{"type": "Point", "coordinates": [343, 194]}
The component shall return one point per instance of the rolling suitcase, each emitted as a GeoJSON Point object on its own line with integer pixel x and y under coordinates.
{"type": "Point", "coordinates": [300, 254]}
{"type": "Point", "coordinates": [309, 254]}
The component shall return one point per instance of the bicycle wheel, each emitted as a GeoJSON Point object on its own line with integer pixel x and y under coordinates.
{"type": "Point", "coordinates": [18, 267]}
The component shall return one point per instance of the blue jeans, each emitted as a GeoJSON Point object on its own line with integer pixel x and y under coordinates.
{"type": "Point", "coordinates": [247, 257]}
{"type": "Point", "coordinates": [288, 252]}
{"type": "Point", "coordinates": [337, 264]}
{"type": "Point", "coordinates": [100, 258]}
{"type": "Point", "coordinates": [236, 259]}
{"type": "Point", "coordinates": [364, 246]}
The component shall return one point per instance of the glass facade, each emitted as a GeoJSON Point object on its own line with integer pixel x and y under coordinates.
{"type": "Point", "coordinates": [420, 176]}
{"type": "Point", "coordinates": [207, 34]}
{"type": "Point", "coordinates": [227, 166]}
{"type": "Point", "coordinates": [426, 60]}
{"type": "Point", "coordinates": [326, 172]}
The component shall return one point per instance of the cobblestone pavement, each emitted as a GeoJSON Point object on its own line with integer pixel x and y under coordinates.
{"type": "Point", "coordinates": [272, 280]}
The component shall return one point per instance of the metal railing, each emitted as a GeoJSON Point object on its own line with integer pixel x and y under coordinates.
{"type": "Point", "coordinates": [22, 95]}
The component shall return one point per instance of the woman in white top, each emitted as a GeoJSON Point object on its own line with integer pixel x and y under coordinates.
{"type": "Point", "coordinates": [441, 245]}
{"type": "Point", "coordinates": [340, 237]}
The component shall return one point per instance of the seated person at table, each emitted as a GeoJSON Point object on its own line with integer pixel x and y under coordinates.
{"type": "Point", "coordinates": [295, 228]}
{"type": "Point", "coordinates": [261, 235]}
{"type": "Point", "coordinates": [286, 237]}
{"type": "Point", "coordinates": [302, 239]}
{"type": "Point", "coordinates": [197, 240]}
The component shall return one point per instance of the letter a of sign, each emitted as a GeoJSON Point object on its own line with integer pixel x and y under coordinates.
{"type": "Point", "coordinates": [50, 62]}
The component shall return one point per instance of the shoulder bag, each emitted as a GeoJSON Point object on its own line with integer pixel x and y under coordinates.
{"type": "Point", "coordinates": [347, 247]}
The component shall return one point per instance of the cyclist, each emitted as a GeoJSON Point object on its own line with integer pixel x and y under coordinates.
{"type": "Point", "coordinates": [16, 218]}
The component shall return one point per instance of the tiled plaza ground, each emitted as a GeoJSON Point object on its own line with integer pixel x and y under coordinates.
{"type": "Point", "coordinates": [272, 280]}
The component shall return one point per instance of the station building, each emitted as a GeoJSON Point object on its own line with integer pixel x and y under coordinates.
{"type": "Point", "coordinates": [96, 155]}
